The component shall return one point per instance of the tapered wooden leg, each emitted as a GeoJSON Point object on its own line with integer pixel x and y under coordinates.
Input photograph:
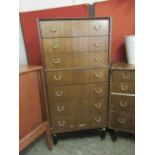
{"type": "Point", "coordinates": [102, 133]}
{"type": "Point", "coordinates": [113, 134]}
{"type": "Point", "coordinates": [49, 137]}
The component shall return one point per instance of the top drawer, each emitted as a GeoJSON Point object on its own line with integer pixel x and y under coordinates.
{"type": "Point", "coordinates": [123, 75]}
{"type": "Point", "coordinates": [73, 28]}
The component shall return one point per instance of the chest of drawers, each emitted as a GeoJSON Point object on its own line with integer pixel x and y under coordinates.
{"type": "Point", "coordinates": [122, 98]}
{"type": "Point", "coordinates": [75, 56]}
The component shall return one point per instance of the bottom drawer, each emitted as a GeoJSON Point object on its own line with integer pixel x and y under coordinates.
{"type": "Point", "coordinates": [122, 121]}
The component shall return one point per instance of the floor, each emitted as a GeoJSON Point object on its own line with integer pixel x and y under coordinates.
{"type": "Point", "coordinates": [84, 143]}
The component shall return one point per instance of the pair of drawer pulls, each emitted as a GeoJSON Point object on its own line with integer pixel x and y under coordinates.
{"type": "Point", "coordinates": [62, 123]}
{"type": "Point", "coordinates": [61, 108]}
{"type": "Point", "coordinates": [57, 45]}
{"type": "Point", "coordinates": [96, 74]}
{"type": "Point", "coordinates": [97, 90]}
{"type": "Point", "coordinates": [58, 60]}
{"type": "Point", "coordinates": [54, 29]}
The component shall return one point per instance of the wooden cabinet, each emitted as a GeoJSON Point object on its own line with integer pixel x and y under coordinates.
{"type": "Point", "coordinates": [75, 56]}
{"type": "Point", "coordinates": [122, 98]}
{"type": "Point", "coordinates": [33, 119]}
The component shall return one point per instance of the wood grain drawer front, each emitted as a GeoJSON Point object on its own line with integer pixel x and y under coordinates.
{"type": "Point", "coordinates": [76, 60]}
{"type": "Point", "coordinates": [99, 105]}
{"type": "Point", "coordinates": [63, 123]}
{"type": "Point", "coordinates": [122, 103]}
{"type": "Point", "coordinates": [62, 108]}
{"type": "Point", "coordinates": [77, 92]}
{"type": "Point", "coordinates": [123, 75]}
{"type": "Point", "coordinates": [122, 121]}
{"type": "Point", "coordinates": [82, 120]}
{"type": "Point", "coordinates": [123, 87]}
{"type": "Point", "coordinates": [72, 28]}
{"type": "Point", "coordinates": [98, 120]}
{"type": "Point", "coordinates": [80, 44]}
{"type": "Point", "coordinates": [77, 76]}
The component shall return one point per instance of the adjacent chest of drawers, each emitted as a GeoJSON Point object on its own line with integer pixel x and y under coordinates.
{"type": "Point", "coordinates": [75, 54]}
{"type": "Point", "coordinates": [122, 98]}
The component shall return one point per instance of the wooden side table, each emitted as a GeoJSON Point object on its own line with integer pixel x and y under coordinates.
{"type": "Point", "coordinates": [33, 118]}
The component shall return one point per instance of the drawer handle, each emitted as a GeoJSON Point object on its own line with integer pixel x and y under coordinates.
{"type": "Point", "coordinates": [55, 46]}
{"type": "Point", "coordinates": [53, 29]}
{"type": "Point", "coordinates": [98, 90]}
{"type": "Point", "coordinates": [97, 59]}
{"type": "Point", "coordinates": [122, 120]}
{"type": "Point", "coordinates": [59, 93]}
{"type": "Point", "coordinates": [98, 74]}
{"type": "Point", "coordinates": [58, 78]}
{"type": "Point", "coordinates": [61, 123]}
{"type": "Point", "coordinates": [97, 119]}
{"type": "Point", "coordinates": [124, 87]}
{"type": "Point", "coordinates": [56, 61]}
{"type": "Point", "coordinates": [98, 105]}
{"type": "Point", "coordinates": [97, 27]}
{"type": "Point", "coordinates": [124, 76]}
{"type": "Point", "coordinates": [60, 109]}
{"type": "Point", "coordinates": [96, 44]}
{"type": "Point", "coordinates": [82, 125]}
{"type": "Point", "coordinates": [123, 104]}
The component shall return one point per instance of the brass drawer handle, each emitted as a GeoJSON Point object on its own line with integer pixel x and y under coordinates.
{"type": "Point", "coordinates": [97, 27]}
{"type": "Point", "coordinates": [61, 123]}
{"type": "Point", "coordinates": [124, 87]}
{"type": "Point", "coordinates": [56, 61]}
{"type": "Point", "coordinates": [98, 90]}
{"type": "Point", "coordinates": [124, 76]}
{"type": "Point", "coordinates": [122, 120]}
{"type": "Point", "coordinates": [58, 78]}
{"type": "Point", "coordinates": [97, 59]}
{"type": "Point", "coordinates": [55, 46]}
{"type": "Point", "coordinates": [97, 119]}
{"type": "Point", "coordinates": [53, 29]}
{"type": "Point", "coordinates": [59, 93]}
{"type": "Point", "coordinates": [96, 44]}
{"type": "Point", "coordinates": [82, 125]}
{"type": "Point", "coordinates": [123, 104]}
{"type": "Point", "coordinates": [98, 74]}
{"type": "Point", "coordinates": [60, 109]}
{"type": "Point", "coordinates": [98, 105]}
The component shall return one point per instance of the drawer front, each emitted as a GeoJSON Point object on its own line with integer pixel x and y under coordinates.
{"type": "Point", "coordinates": [59, 93]}
{"type": "Point", "coordinates": [123, 87]}
{"type": "Point", "coordinates": [63, 123]}
{"type": "Point", "coordinates": [71, 28]}
{"type": "Point", "coordinates": [122, 103]}
{"type": "Point", "coordinates": [67, 45]}
{"type": "Point", "coordinates": [122, 121]}
{"type": "Point", "coordinates": [82, 120]}
{"type": "Point", "coordinates": [98, 120]}
{"type": "Point", "coordinates": [77, 76]}
{"type": "Point", "coordinates": [76, 60]}
{"type": "Point", "coordinates": [123, 75]}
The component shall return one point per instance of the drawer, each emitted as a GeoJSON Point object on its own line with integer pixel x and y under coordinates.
{"type": "Point", "coordinates": [122, 103]}
{"type": "Point", "coordinates": [76, 60]}
{"type": "Point", "coordinates": [82, 120]}
{"type": "Point", "coordinates": [63, 123]}
{"type": "Point", "coordinates": [85, 91]}
{"type": "Point", "coordinates": [123, 75]}
{"type": "Point", "coordinates": [99, 105]}
{"type": "Point", "coordinates": [98, 120]}
{"type": "Point", "coordinates": [122, 121]}
{"type": "Point", "coordinates": [77, 76]}
{"type": "Point", "coordinates": [73, 28]}
{"type": "Point", "coordinates": [52, 29]}
{"type": "Point", "coordinates": [62, 108]}
{"type": "Point", "coordinates": [123, 87]}
{"type": "Point", "coordinates": [67, 45]}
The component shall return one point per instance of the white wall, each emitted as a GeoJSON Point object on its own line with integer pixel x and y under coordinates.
{"type": "Point", "coordinates": [32, 5]}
